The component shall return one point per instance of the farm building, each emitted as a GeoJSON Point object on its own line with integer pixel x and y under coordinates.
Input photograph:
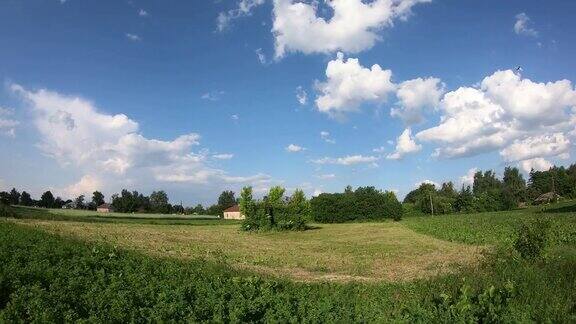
{"type": "Point", "coordinates": [233, 213]}
{"type": "Point", "coordinates": [104, 208]}
{"type": "Point", "coordinates": [547, 198]}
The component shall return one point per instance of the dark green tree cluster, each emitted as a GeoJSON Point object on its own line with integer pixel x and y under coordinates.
{"type": "Point", "coordinates": [559, 180]}
{"type": "Point", "coordinates": [364, 203]}
{"type": "Point", "coordinates": [489, 193]}
{"type": "Point", "coordinates": [275, 211]}
{"type": "Point", "coordinates": [47, 200]}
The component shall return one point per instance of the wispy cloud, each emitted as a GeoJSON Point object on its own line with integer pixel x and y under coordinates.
{"type": "Point", "coordinates": [133, 37]}
{"type": "Point", "coordinates": [212, 95]}
{"type": "Point", "coordinates": [261, 56]}
{"type": "Point", "coordinates": [522, 26]}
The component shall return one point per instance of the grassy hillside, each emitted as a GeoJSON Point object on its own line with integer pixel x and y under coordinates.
{"type": "Point", "coordinates": [65, 271]}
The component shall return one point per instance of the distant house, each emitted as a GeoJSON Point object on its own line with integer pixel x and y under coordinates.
{"type": "Point", "coordinates": [70, 205]}
{"type": "Point", "coordinates": [104, 208]}
{"type": "Point", "coordinates": [233, 213]}
{"type": "Point", "coordinates": [547, 198]}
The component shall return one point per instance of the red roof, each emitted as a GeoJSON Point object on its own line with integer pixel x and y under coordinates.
{"type": "Point", "coordinates": [235, 208]}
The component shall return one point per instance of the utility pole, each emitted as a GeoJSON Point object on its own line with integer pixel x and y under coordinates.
{"type": "Point", "coordinates": [431, 204]}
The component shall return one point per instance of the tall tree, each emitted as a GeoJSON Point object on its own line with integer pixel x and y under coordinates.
{"type": "Point", "coordinates": [514, 188]}
{"type": "Point", "coordinates": [226, 200]}
{"type": "Point", "coordinates": [79, 202]}
{"type": "Point", "coordinates": [26, 199]}
{"type": "Point", "coordinates": [14, 197]}
{"type": "Point", "coordinates": [97, 198]}
{"type": "Point", "coordinates": [159, 202]}
{"type": "Point", "coordinates": [47, 200]}
{"type": "Point", "coordinates": [246, 201]}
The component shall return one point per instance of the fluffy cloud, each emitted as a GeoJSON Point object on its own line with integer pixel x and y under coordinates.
{"type": "Point", "coordinates": [404, 145]}
{"type": "Point", "coordinates": [504, 110]}
{"type": "Point", "coordinates": [521, 26]}
{"type": "Point", "coordinates": [416, 95]}
{"type": "Point", "coordinates": [536, 164]}
{"type": "Point", "coordinates": [352, 28]}
{"type": "Point", "coordinates": [468, 178]}
{"type": "Point", "coordinates": [109, 149]}
{"type": "Point", "coordinates": [142, 13]}
{"type": "Point", "coordinates": [243, 9]}
{"type": "Point", "coordinates": [7, 124]}
{"type": "Point", "coordinates": [293, 148]}
{"type": "Point", "coordinates": [539, 146]}
{"type": "Point", "coordinates": [349, 84]}
{"type": "Point", "coordinates": [86, 186]}
{"type": "Point", "coordinates": [347, 160]}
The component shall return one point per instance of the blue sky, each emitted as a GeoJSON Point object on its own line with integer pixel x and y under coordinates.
{"type": "Point", "coordinates": [98, 94]}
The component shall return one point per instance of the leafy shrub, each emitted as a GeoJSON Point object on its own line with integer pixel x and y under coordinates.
{"type": "Point", "coordinates": [468, 306]}
{"type": "Point", "coordinates": [274, 212]}
{"type": "Point", "coordinates": [366, 203]}
{"type": "Point", "coordinates": [531, 238]}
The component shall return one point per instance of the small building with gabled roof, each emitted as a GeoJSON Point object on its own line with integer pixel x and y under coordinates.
{"type": "Point", "coordinates": [104, 208]}
{"type": "Point", "coordinates": [233, 213]}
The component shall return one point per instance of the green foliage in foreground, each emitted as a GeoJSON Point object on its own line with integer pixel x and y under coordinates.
{"type": "Point", "coordinates": [46, 278]}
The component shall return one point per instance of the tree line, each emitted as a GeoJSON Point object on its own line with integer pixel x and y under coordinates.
{"type": "Point", "coordinates": [489, 193]}
{"type": "Point", "coordinates": [364, 203]}
{"type": "Point", "coordinates": [124, 202]}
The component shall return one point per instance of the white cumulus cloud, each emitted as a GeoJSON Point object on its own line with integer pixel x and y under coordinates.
{"type": "Point", "coordinates": [405, 144]}
{"type": "Point", "coordinates": [352, 28]}
{"type": "Point", "coordinates": [349, 84]}
{"type": "Point", "coordinates": [111, 152]}
{"type": "Point", "coordinates": [536, 164]}
{"type": "Point", "coordinates": [505, 110]}
{"type": "Point", "coordinates": [416, 95]}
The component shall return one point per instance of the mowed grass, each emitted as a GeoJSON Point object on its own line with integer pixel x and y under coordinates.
{"type": "Point", "coordinates": [88, 213]}
{"type": "Point", "coordinates": [415, 248]}
{"type": "Point", "coordinates": [139, 218]}
{"type": "Point", "coordinates": [335, 252]}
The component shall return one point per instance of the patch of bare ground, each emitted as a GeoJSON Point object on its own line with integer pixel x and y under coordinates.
{"type": "Point", "coordinates": [365, 252]}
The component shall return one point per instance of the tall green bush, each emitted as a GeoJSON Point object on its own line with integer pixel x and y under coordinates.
{"type": "Point", "coordinates": [365, 203]}
{"type": "Point", "coordinates": [274, 211]}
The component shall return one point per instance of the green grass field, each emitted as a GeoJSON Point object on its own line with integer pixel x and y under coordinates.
{"type": "Point", "coordinates": [450, 268]}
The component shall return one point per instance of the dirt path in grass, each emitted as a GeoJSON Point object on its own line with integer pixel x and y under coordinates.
{"type": "Point", "coordinates": [336, 252]}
